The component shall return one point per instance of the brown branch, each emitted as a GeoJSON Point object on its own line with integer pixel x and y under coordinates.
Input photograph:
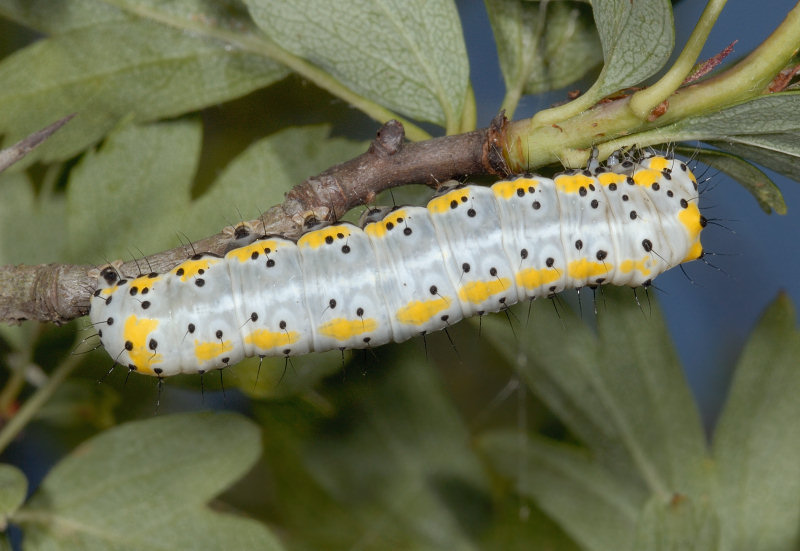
{"type": "Point", "coordinates": [12, 154]}
{"type": "Point", "coordinates": [58, 293]}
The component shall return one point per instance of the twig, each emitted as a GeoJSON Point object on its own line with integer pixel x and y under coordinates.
{"type": "Point", "coordinates": [58, 293]}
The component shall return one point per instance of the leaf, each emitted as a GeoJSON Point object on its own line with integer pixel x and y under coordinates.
{"type": "Point", "coordinates": [261, 176]}
{"type": "Point", "coordinates": [757, 441]}
{"type": "Point", "coordinates": [775, 114]}
{"type": "Point", "coordinates": [119, 68]}
{"type": "Point", "coordinates": [596, 508]}
{"type": "Point", "coordinates": [624, 27]}
{"type": "Point", "coordinates": [389, 461]}
{"type": "Point", "coordinates": [408, 55]}
{"type": "Point", "coordinates": [139, 177]}
{"type": "Point", "coordinates": [755, 181]}
{"type": "Point", "coordinates": [780, 152]}
{"type": "Point", "coordinates": [680, 524]}
{"type": "Point", "coordinates": [621, 392]}
{"type": "Point", "coordinates": [13, 489]}
{"type": "Point", "coordinates": [543, 46]}
{"type": "Point", "coordinates": [60, 16]}
{"type": "Point", "coordinates": [79, 403]}
{"type": "Point", "coordinates": [145, 485]}
{"type": "Point", "coordinates": [31, 225]}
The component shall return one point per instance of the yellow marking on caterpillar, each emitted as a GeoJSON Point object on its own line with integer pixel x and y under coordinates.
{"type": "Point", "coordinates": [690, 174]}
{"type": "Point", "coordinates": [318, 238]}
{"type": "Point", "coordinates": [208, 350]}
{"type": "Point", "coordinates": [608, 178]}
{"type": "Point", "coordinates": [379, 229]}
{"type": "Point", "coordinates": [191, 268]}
{"type": "Point", "coordinates": [476, 292]}
{"type": "Point", "coordinates": [659, 163]}
{"type": "Point", "coordinates": [584, 269]}
{"type": "Point", "coordinates": [109, 290]}
{"type": "Point", "coordinates": [627, 266]}
{"type": "Point", "coordinates": [266, 339]}
{"type": "Point", "coordinates": [646, 177]}
{"type": "Point", "coordinates": [243, 254]}
{"type": "Point", "coordinates": [690, 218]}
{"type": "Point", "coordinates": [531, 278]}
{"type": "Point", "coordinates": [438, 205]}
{"type": "Point", "coordinates": [508, 188]}
{"type": "Point", "coordinates": [137, 331]}
{"type": "Point", "coordinates": [567, 183]}
{"type": "Point", "coordinates": [144, 282]}
{"type": "Point", "coordinates": [694, 251]}
{"type": "Point", "coordinates": [342, 329]}
{"type": "Point", "coordinates": [418, 312]}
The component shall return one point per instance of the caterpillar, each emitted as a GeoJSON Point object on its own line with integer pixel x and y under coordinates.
{"type": "Point", "coordinates": [405, 271]}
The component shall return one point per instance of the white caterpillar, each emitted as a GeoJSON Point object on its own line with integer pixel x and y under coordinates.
{"type": "Point", "coordinates": [471, 250]}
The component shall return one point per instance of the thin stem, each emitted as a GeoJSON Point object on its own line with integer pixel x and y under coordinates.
{"type": "Point", "coordinates": [469, 114]}
{"type": "Point", "coordinates": [36, 401]}
{"type": "Point", "coordinates": [644, 101]}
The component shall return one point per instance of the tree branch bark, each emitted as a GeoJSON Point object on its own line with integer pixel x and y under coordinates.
{"type": "Point", "coordinates": [58, 293]}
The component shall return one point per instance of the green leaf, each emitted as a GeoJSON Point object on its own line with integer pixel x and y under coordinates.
{"type": "Point", "coordinates": [544, 45]}
{"type": "Point", "coordinates": [408, 55]}
{"type": "Point", "coordinates": [13, 489]}
{"type": "Point", "coordinates": [140, 177]}
{"type": "Point", "coordinates": [145, 485]}
{"type": "Point", "coordinates": [31, 225]}
{"type": "Point", "coordinates": [680, 524]}
{"type": "Point", "coordinates": [624, 26]}
{"type": "Point", "coordinates": [621, 392]}
{"type": "Point", "coordinates": [261, 176]}
{"type": "Point", "coordinates": [755, 181]}
{"type": "Point", "coordinates": [389, 460]}
{"type": "Point", "coordinates": [121, 68]}
{"type": "Point", "coordinates": [780, 152]}
{"type": "Point", "coordinates": [757, 442]}
{"type": "Point", "coordinates": [595, 507]}
{"type": "Point", "coordinates": [60, 16]}
{"type": "Point", "coordinates": [78, 403]}
{"type": "Point", "coordinates": [773, 114]}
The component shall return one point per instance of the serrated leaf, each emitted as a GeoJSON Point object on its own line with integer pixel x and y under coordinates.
{"type": "Point", "coordinates": [120, 68]}
{"type": "Point", "coordinates": [407, 55]}
{"type": "Point", "coordinates": [543, 45]}
{"type": "Point", "coordinates": [680, 524]}
{"type": "Point", "coordinates": [755, 181]}
{"type": "Point", "coordinates": [145, 485]}
{"type": "Point", "coordinates": [757, 441]}
{"type": "Point", "coordinates": [622, 392]}
{"type": "Point", "coordinates": [140, 176]}
{"type": "Point", "coordinates": [593, 506]}
{"type": "Point", "coordinates": [13, 489]}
